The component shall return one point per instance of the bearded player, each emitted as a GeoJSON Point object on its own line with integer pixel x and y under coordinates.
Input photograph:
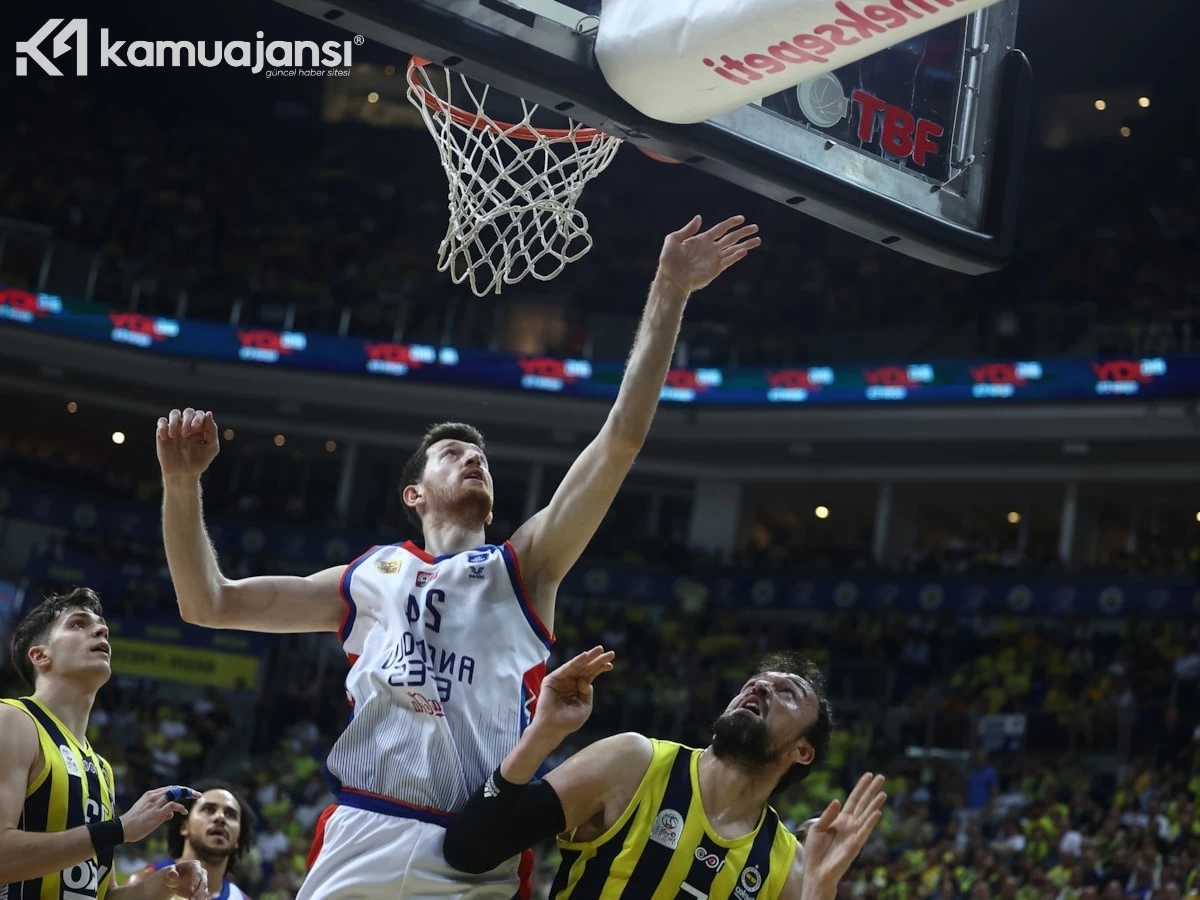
{"type": "Point", "coordinates": [639, 817]}
{"type": "Point", "coordinates": [217, 831]}
{"type": "Point", "coordinates": [447, 643]}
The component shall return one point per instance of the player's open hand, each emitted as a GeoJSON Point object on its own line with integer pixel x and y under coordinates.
{"type": "Point", "coordinates": [833, 842]}
{"type": "Point", "coordinates": [565, 701]}
{"type": "Point", "coordinates": [188, 880]}
{"type": "Point", "coordinates": [692, 258]}
{"type": "Point", "coordinates": [187, 442]}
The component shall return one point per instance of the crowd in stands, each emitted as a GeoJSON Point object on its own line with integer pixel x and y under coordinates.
{"type": "Point", "coordinates": [1093, 799]}
{"type": "Point", "coordinates": [319, 217]}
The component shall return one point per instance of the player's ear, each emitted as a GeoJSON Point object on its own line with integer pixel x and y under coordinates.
{"type": "Point", "coordinates": [803, 753]}
{"type": "Point", "coordinates": [488, 520]}
{"type": "Point", "coordinates": [39, 655]}
{"type": "Point", "coordinates": [411, 495]}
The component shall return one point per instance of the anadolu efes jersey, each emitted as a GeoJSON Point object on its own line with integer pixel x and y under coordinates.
{"type": "Point", "coordinates": [447, 659]}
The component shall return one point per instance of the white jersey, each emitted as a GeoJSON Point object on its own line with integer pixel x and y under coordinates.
{"type": "Point", "coordinates": [446, 661]}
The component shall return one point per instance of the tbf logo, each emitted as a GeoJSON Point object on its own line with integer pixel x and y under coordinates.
{"type": "Point", "coordinates": [27, 50]}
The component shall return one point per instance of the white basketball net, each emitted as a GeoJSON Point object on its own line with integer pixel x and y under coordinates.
{"type": "Point", "coordinates": [513, 187]}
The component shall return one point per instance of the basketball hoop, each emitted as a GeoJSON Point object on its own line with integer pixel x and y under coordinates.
{"type": "Point", "coordinates": [513, 186]}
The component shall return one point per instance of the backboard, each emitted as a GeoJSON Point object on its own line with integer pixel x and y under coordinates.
{"type": "Point", "coordinates": [917, 147]}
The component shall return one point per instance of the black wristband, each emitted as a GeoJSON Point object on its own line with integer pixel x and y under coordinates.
{"type": "Point", "coordinates": [107, 835]}
{"type": "Point", "coordinates": [497, 785]}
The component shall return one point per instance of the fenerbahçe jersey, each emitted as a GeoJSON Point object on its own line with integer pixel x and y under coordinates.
{"type": "Point", "coordinates": [663, 847]}
{"type": "Point", "coordinates": [74, 788]}
{"type": "Point", "coordinates": [446, 661]}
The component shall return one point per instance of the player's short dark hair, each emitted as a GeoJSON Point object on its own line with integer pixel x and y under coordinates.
{"type": "Point", "coordinates": [415, 467]}
{"type": "Point", "coordinates": [36, 624]}
{"type": "Point", "coordinates": [819, 732]}
{"type": "Point", "coordinates": [245, 814]}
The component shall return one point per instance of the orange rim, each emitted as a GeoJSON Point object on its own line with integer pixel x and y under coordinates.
{"type": "Point", "coordinates": [480, 122]}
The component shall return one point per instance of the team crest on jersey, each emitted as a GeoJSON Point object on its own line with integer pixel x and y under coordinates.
{"type": "Point", "coordinates": [69, 761]}
{"type": "Point", "coordinates": [667, 828]}
{"type": "Point", "coordinates": [477, 572]}
{"type": "Point", "coordinates": [388, 566]}
{"type": "Point", "coordinates": [423, 578]}
{"type": "Point", "coordinates": [751, 881]}
{"type": "Point", "coordinates": [480, 557]}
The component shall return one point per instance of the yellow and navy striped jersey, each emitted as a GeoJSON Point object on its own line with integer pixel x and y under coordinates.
{"type": "Point", "coordinates": [664, 847]}
{"type": "Point", "coordinates": [74, 787]}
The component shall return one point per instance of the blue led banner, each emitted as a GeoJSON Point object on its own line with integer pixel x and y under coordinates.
{"type": "Point", "coordinates": [976, 382]}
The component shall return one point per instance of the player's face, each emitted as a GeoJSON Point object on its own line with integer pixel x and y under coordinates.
{"type": "Point", "coordinates": [457, 480]}
{"type": "Point", "coordinates": [765, 721]}
{"type": "Point", "coordinates": [77, 647]}
{"type": "Point", "coordinates": [214, 824]}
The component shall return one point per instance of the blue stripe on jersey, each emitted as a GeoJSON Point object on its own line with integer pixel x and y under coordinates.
{"type": "Point", "coordinates": [344, 590]}
{"type": "Point", "coordinates": [386, 806]}
{"type": "Point", "coordinates": [510, 563]}
{"type": "Point", "coordinates": [389, 807]}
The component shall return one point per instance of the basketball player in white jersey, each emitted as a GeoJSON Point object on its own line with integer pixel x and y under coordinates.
{"type": "Point", "coordinates": [447, 643]}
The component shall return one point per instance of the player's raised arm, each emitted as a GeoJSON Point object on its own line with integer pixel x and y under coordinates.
{"type": "Point", "coordinates": [187, 443]}
{"type": "Point", "coordinates": [551, 542]}
{"type": "Point", "coordinates": [510, 812]}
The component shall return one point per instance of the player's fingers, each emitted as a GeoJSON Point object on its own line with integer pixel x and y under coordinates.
{"type": "Point", "coordinates": [870, 797]}
{"type": "Point", "coordinates": [736, 235]}
{"type": "Point", "coordinates": [826, 821]}
{"type": "Point", "coordinates": [599, 666]}
{"type": "Point", "coordinates": [210, 427]}
{"type": "Point", "coordinates": [185, 422]}
{"type": "Point", "coordinates": [718, 231]}
{"type": "Point", "coordinates": [173, 423]}
{"type": "Point", "coordinates": [582, 660]}
{"type": "Point", "coordinates": [690, 229]}
{"type": "Point", "coordinates": [748, 244]}
{"type": "Point", "coordinates": [856, 795]}
{"type": "Point", "coordinates": [732, 259]}
{"type": "Point", "coordinates": [865, 829]}
{"type": "Point", "coordinates": [739, 251]}
{"type": "Point", "coordinates": [876, 805]}
{"type": "Point", "coordinates": [198, 421]}
{"type": "Point", "coordinates": [160, 428]}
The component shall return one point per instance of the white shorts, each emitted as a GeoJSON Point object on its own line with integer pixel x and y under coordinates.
{"type": "Point", "coordinates": [364, 855]}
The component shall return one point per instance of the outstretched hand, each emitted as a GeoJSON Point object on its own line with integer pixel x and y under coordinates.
{"type": "Point", "coordinates": [691, 259]}
{"type": "Point", "coordinates": [834, 841]}
{"type": "Point", "coordinates": [565, 701]}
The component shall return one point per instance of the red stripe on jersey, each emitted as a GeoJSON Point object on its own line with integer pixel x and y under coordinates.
{"type": "Point", "coordinates": [319, 836]}
{"type": "Point", "coordinates": [525, 875]}
{"type": "Point", "coordinates": [532, 680]}
{"type": "Point", "coordinates": [417, 552]}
